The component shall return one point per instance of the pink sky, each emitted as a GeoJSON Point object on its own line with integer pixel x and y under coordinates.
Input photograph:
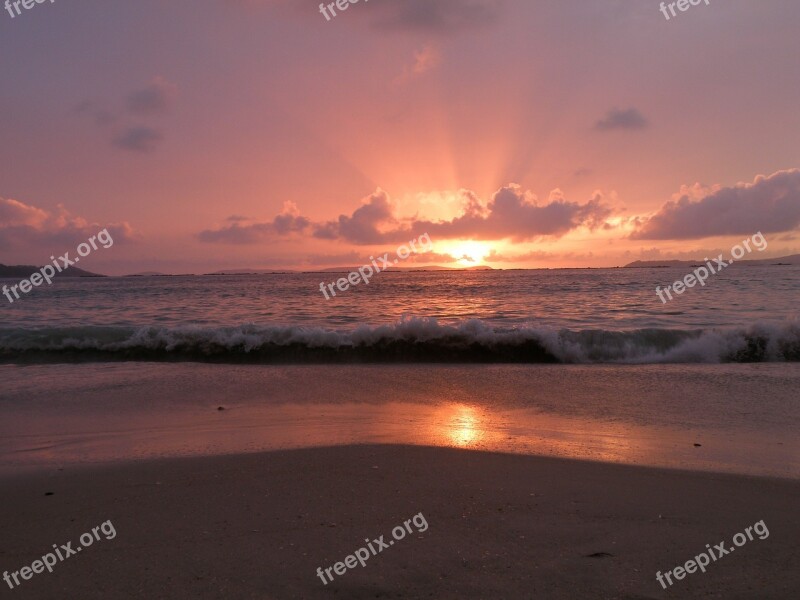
{"type": "Point", "coordinates": [218, 134]}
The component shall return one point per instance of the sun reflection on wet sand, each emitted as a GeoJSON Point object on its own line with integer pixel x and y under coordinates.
{"type": "Point", "coordinates": [462, 426]}
{"type": "Point", "coordinates": [61, 439]}
{"type": "Point", "coordinates": [521, 431]}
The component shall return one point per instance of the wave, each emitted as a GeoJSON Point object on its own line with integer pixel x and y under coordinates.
{"type": "Point", "coordinates": [408, 341]}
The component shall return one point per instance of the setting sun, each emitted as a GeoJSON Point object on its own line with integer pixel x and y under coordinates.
{"type": "Point", "coordinates": [467, 253]}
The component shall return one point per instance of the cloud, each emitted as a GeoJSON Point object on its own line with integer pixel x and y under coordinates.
{"type": "Point", "coordinates": [769, 204]}
{"type": "Point", "coordinates": [290, 221]}
{"type": "Point", "coordinates": [424, 60]}
{"type": "Point", "coordinates": [373, 223]}
{"type": "Point", "coordinates": [432, 17]}
{"type": "Point", "coordinates": [27, 227]}
{"type": "Point", "coordinates": [139, 139]}
{"type": "Point", "coordinates": [514, 214]}
{"type": "Point", "coordinates": [436, 16]}
{"type": "Point", "coordinates": [17, 214]}
{"type": "Point", "coordinates": [150, 101]}
{"type": "Point", "coordinates": [153, 99]}
{"type": "Point", "coordinates": [241, 232]}
{"type": "Point", "coordinates": [509, 214]}
{"type": "Point", "coordinates": [630, 119]}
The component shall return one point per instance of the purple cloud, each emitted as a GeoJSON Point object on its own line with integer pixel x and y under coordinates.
{"type": "Point", "coordinates": [139, 139]}
{"type": "Point", "coordinates": [615, 119]}
{"type": "Point", "coordinates": [769, 204]}
{"type": "Point", "coordinates": [153, 99]}
{"type": "Point", "coordinates": [510, 214]}
{"type": "Point", "coordinates": [239, 231]}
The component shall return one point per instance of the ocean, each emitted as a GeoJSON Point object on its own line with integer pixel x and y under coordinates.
{"type": "Point", "coordinates": [745, 314]}
{"type": "Point", "coordinates": [582, 364]}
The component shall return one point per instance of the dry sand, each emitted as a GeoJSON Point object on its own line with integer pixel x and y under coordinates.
{"type": "Point", "coordinates": [500, 526]}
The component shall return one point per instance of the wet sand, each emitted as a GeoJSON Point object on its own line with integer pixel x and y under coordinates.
{"type": "Point", "coordinates": [745, 417]}
{"type": "Point", "coordinates": [500, 526]}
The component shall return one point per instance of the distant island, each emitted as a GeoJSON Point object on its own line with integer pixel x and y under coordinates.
{"type": "Point", "coordinates": [25, 271]}
{"type": "Point", "coordinates": [794, 259]}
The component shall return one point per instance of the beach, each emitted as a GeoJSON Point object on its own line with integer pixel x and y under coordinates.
{"type": "Point", "coordinates": [536, 481]}
{"type": "Point", "coordinates": [500, 526]}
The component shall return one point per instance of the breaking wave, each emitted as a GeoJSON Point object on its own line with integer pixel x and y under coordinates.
{"type": "Point", "coordinates": [408, 341]}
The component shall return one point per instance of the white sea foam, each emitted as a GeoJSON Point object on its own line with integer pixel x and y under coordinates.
{"type": "Point", "coordinates": [409, 340]}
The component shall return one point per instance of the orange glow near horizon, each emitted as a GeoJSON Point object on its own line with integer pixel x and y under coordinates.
{"type": "Point", "coordinates": [468, 253]}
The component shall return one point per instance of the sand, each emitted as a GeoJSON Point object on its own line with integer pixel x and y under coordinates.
{"type": "Point", "coordinates": [499, 526]}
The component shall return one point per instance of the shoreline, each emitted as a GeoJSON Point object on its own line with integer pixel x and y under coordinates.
{"type": "Point", "coordinates": [735, 419]}
{"type": "Point", "coordinates": [500, 525]}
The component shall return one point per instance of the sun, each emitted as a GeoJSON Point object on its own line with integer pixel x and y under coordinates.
{"type": "Point", "coordinates": [467, 253]}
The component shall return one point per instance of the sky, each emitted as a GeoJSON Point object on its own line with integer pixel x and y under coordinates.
{"type": "Point", "coordinates": [222, 134]}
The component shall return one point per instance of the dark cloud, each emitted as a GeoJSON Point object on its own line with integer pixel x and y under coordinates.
{"type": "Point", "coordinates": [510, 214]}
{"type": "Point", "coordinates": [630, 119]}
{"type": "Point", "coordinates": [432, 17]}
{"type": "Point", "coordinates": [139, 139]}
{"type": "Point", "coordinates": [286, 223]}
{"type": "Point", "coordinates": [372, 223]}
{"type": "Point", "coordinates": [436, 16]}
{"type": "Point", "coordinates": [24, 227]}
{"type": "Point", "coordinates": [240, 231]}
{"type": "Point", "coordinates": [153, 99]}
{"type": "Point", "coordinates": [514, 214]}
{"type": "Point", "coordinates": [237, 234]}
{"type": "Point", "coordinates": [769, 204]}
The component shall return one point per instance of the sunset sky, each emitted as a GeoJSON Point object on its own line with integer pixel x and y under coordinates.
{"type": "Point", "coordinates": [217, 134]}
